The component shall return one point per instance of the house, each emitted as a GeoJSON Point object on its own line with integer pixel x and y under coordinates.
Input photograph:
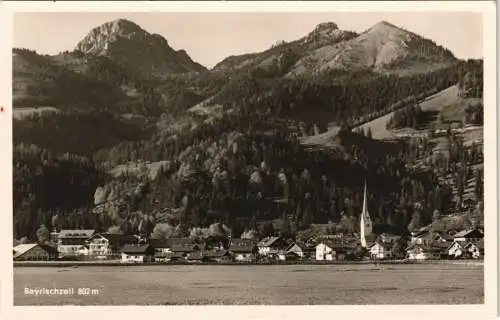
{"type": "Point", "coordinates": [475, 250]}
{"type": "Point", "coordinates": [380, 250]}
{"type": "Point", "coordinates": [216, 256]}
{"type": "Point", "coordinates": [469, 235]}
{"type": "Point", "coordinates": [71, 242]}
{"type": "Point", "coordinates": [83, 251]}
{"type": "Point", "coordinates": [34, 251]}
{"type": "Point", "coordinates": [420, 237]}
{"type": "Point", "coordinates": [195, 257]}
{"type": "Point", "coordinates": [137, 253]}
{"type": "Point", "coordinates": [107, 245]}
{"type": "Point", "coordinates": [425, 252]}
{"type": "Point", "coordinates": [271, 245]}
{"type": "Point", "coordinates": [442, 237]}
{"type": "Point", "coordinates": [243, 250]}
{"type": "Point", "coordinates": [330, 250]}
{"type": "Point", "coordinates": [166, 245]}
{"type": "Point", "coordinates": [216, 243]}
{"type": "Point", "coordinates": [301, 250]}
{"type": "Point", "coordinates": [387, 238]}
{"type": "Point", "coordinates": [457, 249]}
{"type": "Point", "coordinates": [184, 247]}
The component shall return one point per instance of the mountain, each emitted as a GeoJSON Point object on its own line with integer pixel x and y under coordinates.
{"type": "Point", "coordinates": [284, 54]}
{"type": "Point", "coordinates": [380, 47]}
{"type": "Point", "coordinates": [38, 81]}
{"type": "Point", "coordinates": [119, 41]}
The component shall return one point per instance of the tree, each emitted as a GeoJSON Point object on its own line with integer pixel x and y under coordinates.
{"type": "Point", "coordinates": [24, 240]}
{"type": "Point", "coordinates": [399, 249]}
{"type": "Point", "coordinates": [369, 133]}
{"type": "Point", "coordinates": [415, 222]}
{"type": "Point", "coordinates": [115, 230]}
{"type": "Point", "coordinates": [43, 234]}
{"type": "Point", "coordinates": [436, 215]}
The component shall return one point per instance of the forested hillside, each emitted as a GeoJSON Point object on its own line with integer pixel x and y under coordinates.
{"type": "Point", "coordinates": [240, 159]}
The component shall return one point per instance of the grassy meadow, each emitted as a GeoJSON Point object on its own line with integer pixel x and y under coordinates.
{"type": "Point", "coordinates": [256, 285]}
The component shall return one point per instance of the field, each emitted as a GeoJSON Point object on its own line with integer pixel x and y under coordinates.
{"type": "Point", "coordinates": [432, 105]}
{"type": "Point", "coordinates": [254, 285]}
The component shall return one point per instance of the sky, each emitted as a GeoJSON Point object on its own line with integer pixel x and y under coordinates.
{"type": "Point", "coordinates": [210, 37]}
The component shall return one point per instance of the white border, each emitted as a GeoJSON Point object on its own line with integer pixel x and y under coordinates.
{"type": "Point", "coordinates": [488, 310]}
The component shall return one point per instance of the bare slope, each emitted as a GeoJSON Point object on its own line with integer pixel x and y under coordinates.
{"type": "Point", "coordinates": [383, 46]}
{"type": "Point", "coordinates": [433, 103]}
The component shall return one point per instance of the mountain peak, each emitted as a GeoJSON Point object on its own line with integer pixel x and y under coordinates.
{"type": "Point", "coordinates": [132, 47]}
{"type": "Point", "coordinates": [327, 32]}
{"type": "Point", "coordinates": [124, 25]}
{"type": "Point", "coordinates": [326, 26]}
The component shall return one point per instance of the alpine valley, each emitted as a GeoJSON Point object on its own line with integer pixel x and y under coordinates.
{"type": "Point", "coordinates": [128, 135]}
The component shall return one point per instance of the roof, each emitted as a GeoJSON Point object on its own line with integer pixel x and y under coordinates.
{"type": "Point", "coordinates": [268, 241]}
{"type": "Point", "coordinates": [333, 243]}
{"type": "Point", "coordinates": [479, 244]}
{"type": "Point", "coordinates": [462, 244]}
{"type": "Point", "coordinates": [21, 249]}
{"type": "Point", "coordinates": [469, 233]}
{"type": "Point", "coordinates": [117, 238]}
{"type": "Point", "coordinates": [433, 247]}
{"type": "Point", "coordinates": [87, 233]}
{"type": "Point", "coordinates": [302, 246]}
{"type": "Point", "coordinates": [386, 246]}
{"type": "Point", "coordinates": [184, 248]}
{"type": "Point", "coordinates": [215, 253]}
{"type": "Point", "coordinates": [242, 245]}
{"type": "Point", "coordinates": [135, 248]}
{"type": "Point", "coordinates": [389, 237]}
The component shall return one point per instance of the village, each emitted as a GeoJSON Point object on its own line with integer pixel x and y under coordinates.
{"type": "Point", "coordinates": [88, 245]}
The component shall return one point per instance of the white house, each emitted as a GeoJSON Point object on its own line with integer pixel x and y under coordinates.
{"type": "Point", "coordinates": [137, 253]}
{"type": "Point", "coordinates": [324, 252]}
{"type": "Point", "coordinates": [422, 252]}
{"type": "Point", "coordinates": [243, 250]}
{"type": "Point", "coordinates": [105, 245]}
{"type": "Point", "coordinates": [380, 251]}
{"type": "Point", "coordinates": [71, 242]}
{"type": "Point", "coordinates": [476, 250]}
{"type": "Point", "coordinates": [330, 250]}
{"type": "Point", "coordinates": [457, 249]}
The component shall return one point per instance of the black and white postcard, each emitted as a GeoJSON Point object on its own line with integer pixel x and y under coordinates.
{"type": "Point", "coordinates": [297, 160]}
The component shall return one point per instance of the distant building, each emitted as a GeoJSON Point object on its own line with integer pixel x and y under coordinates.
{"type": "Point", "coordinates": [216, 256]}
{"type": "Point", "coordinates": [301, 250]}
{"type": "Point", "coordinates": [106, 245]}
{"type": "Point", "coordinates": [425, 251]}
{"type": "Point", "coordinates": [468, 235]}
{"type": "Point", "coordinates": [271, 245]}
{"type": "Point", "coordinates": [457, 249]}
{"type": "Point", "coordinates": [243, 250]}
{"type": "Point", "coordinates": [330, 250]}
{"type": "Point", "coordinates": [34, 251]}
{"type": "Point", "coordinates": [71, 242]}
{"type": "Point", "coordinates": [475, 250]}
{"type": "Point", "coordinates": [134, 253]}
{"type": "Point", "coordinates": [466, 250]}
{"type": "Point", "coordinates": [380, 250]}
